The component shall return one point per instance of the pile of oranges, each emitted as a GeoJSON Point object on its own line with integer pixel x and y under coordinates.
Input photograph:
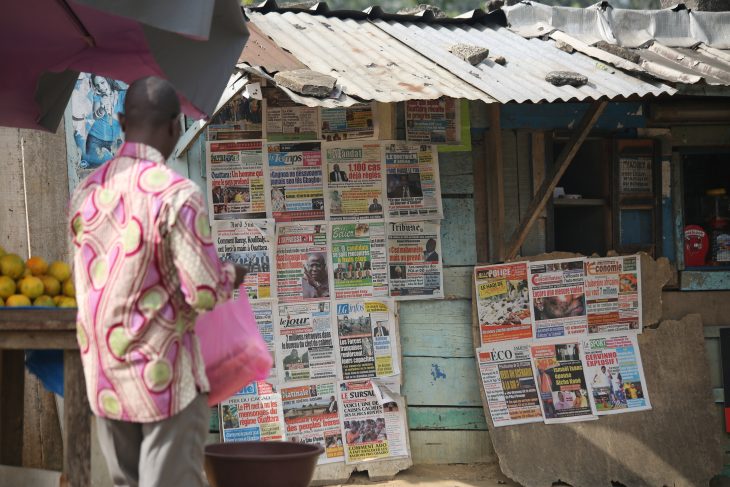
{"type": "Point", "coordinates": [35, 282]}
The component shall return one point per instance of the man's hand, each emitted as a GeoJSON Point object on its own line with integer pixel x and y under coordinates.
{"type": "Point", "coordinates": [240, 275]}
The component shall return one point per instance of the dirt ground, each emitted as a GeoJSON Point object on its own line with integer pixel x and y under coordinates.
{"type": "Point", "coordinates": [474, 475]}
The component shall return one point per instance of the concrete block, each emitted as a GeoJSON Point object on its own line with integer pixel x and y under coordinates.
{"type": "Point", "coordinates": [470, 53]}
{"type": "Point", "coordinates": [306, 82]}
{"type": "Point", "coordinates": [562, 78]}
{"type": "Point", "coordinates": [564, 46]}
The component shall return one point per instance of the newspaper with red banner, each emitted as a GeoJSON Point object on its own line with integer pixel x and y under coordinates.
{"type": "Point", "coordinates": [557, 298]}
{"type": "Point", "coordinates": [311, 415]}
{"type": "Point", "coordinates": [302, 259]}
{"type": "Point", "coordinates": [509, 384]}
{"type": "Point", "coordinates": [613, 294]}
{"type": "Point", "coordinates": [503, 302]}
{"type": "Point", "coordinates": [415, 268]}
{"type": "Point", "coordinates": [296, 181]}
{"type": "Point", "coordinates": [253, 414]}
{"type": "Point", "coordinates": [349, 123]}
{"type": "Point", "coordinates": [359, 265]}
{"type": "Point", "coordinates": [236, 181]}
{"type": "Point", "coordinates": [373, 422]}
{"type": "Point", "coordinates": [561, 381]}
{"type": "Point", "coordinates": [354, 181]}
{"type": "Point", "coordinates": [412, 181]}
{"type": "Point", "coordinates": [433, 121]}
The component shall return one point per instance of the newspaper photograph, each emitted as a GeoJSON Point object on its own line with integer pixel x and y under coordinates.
{"type": "Point", "coordinates": [433, 121]}
{"type": "Point", "coordinates": [509, 384]}
{"type": "Point", "coordinates": [311, 415]}
{"type": "Point", "coordinates": [253, 414]}
{"type": "Point", "coordinates": [354, 186]}
{"type": "Point", "coordinates": [415, 268]}
{"type": "Point", "coordinates": [503, 302]}
{"type": "Point", "coordinates": [359, 264]}
{"type": "Point", "coordinates": [302, 256]}
{"type": "Point", "coordinates": [368, 338]}
{"type": "Point", "coordinates": [236, 181]}
{"type": "Point", "coordinates": [295, 175]}
{"type": "Point", "coordinates": [349, 123]}
{"type": "Point", "coordinates": [373, 427]}
{"type": "Point", "coordinates": [557, 297]}
{"type": "Point", "coordinates": [239, 119]}
{"type": "Point", "coordinates": [250, 244]}
{"type": "Point", "coordinates": [613, 294]}
{"type": "Point", "coordinates": [305, 342]}
{"type": "Point", "coordinates": [412, 182]}
{"type": "Point", "coordinates": [561, 381]}
{"type": "Point", "coordinates": [263, 312]}
{"type": "Point", "coordinates": [615, 374]}
{"type": "Point", "coordinates": [286, 120]}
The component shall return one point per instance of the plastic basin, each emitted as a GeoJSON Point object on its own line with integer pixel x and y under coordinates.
{"type": "Point", "coordinates": [261, 464]}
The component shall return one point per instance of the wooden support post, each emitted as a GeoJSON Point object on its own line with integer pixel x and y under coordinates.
{"type": "Point", "coordinates": [496, 180]}
{"type": "Point", "coordinates": [537, 156]}
{"type": "Point", "coordinates": [12, 384]}
{"type": "Point", "coordinates": [481, 206]}
{"type": "Point", "coordinates": [537, 205]}
{"type": "Point", "coordinates": [77, 419]}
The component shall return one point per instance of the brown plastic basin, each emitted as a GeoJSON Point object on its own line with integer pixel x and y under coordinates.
{"type": "Point", "coordinates": [261, 464]}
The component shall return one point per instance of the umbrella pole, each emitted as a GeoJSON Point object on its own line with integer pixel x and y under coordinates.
{"type": "Point", "coordinates": [25, 194]}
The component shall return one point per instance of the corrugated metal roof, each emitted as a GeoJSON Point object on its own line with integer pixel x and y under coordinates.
{"type": "Point", "coordinates": [262, 52]}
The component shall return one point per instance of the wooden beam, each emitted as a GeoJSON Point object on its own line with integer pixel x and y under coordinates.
{"type": "Point", "coordinates": [537, 153]}
{"type": "Point", "coordinates": [496, 177]}
{"type": "Point", "coordinates": [537, 205]}
{"type": "Point", "coordinates": [77, 420]}
{"type": "Point", "coordinates": [12, 385]}
{"type": "Point", "coordinates": [481, 206]}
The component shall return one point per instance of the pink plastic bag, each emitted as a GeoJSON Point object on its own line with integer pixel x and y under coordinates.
{"type": "Point", "coordinates": [235, 354]}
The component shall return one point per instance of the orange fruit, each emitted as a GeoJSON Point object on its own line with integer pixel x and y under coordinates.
{"type": "Point", "coordinates": [2, 252]}
{"type": "Point", "coordinates": [45, 301]}
{"type": "Point", "coordinates": [51, 286]}
{"type": "Point", "coordinates": [2, 302]}
{"type": "Point", "coordinates": [69, 289]}
{"type": "Point", "coordinates": [7, 287]}
{"type": "Point", "coordinates": [17, 300]}
{"type": "Point", "coordinates": [37, 265]}
{"type": "Point", "coordinates": [67, 303]}
{"type": "Point", "coordinates": [57, 299]}
{"type": "Point", "coordinates": [12, 266]}
{"type": "Point", "coordinates": [59, 270]}
{"type": "Point", "coordinates": [31, 287]}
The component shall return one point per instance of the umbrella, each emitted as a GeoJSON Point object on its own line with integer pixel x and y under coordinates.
{"type": "Point", "coordinates": [45, 44]}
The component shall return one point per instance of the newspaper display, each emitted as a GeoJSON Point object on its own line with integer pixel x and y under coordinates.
{"type": "Point", "coordinates": [295, 172]}
{"type": "Point", "coordinates": [304, 337]}
{"type": "Point", "coordinates": [263, 312]}
{"type": "Point", "coordinates": [354, 186]}
{"type": "Point", "coordinates": [239, 119]}
{"type": "Point", "coordinates": [561, 381]}
{"type": "Point", "coordinates": [253, 414]}
{"type": "Point", "coordinates": [359, 263]}
{"type": "Point", "coordinates": [368, 339]}
{"type": "Point", "coordinates": [373, 424]}
{"type": "Point", "coordinates": [433, 121]}
{"type": "Point", "coordinates": [503, 302]}
{"type": "Point", "coordinates": [415, 268]}
{"type": "Point", "coordinates": [250, 244]}
{"type": "Point", "coordinates": [301, 262]}
{"type": "Point", "coordinates": [613, 294]}
{"type": "Point", "coordinates": [509, 384]}
{"type": "Point", "coordinates": [349, 123]}
{"type": "Point", "coordinates": [412, 181]}
{"type": "Point", "coordinates": [557, 297]}
{"type": "Point", "coordinates": [286, 119]}
{"type": "Point", "coordinates": [615, 374]}
{"type": "Point", "coordinates": [311, 415]}
{"type": "Point", "coordinates": [635, 175]}
{"type": "Point", "coordinates": [236, 182]}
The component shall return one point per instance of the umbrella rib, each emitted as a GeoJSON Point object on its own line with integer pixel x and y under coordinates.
{"type": "Point", "coordinates": [77, 22]}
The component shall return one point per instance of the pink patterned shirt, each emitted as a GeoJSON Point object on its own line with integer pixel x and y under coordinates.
{"type": "Point", "coordinates": [145, 265]}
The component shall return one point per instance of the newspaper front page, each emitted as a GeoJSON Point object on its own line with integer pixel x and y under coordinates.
{"type": "Point", "coordinates": [373, 425]}
{"type": "Point", "coordinates": [263, 312]}
{"type": "Point", "coordinates": [311, 415]}
{"type": "Point", "coordinates": [412, 181]}
{"type": "Point", "coordinates": [368, 338]}
{"type": "Point", "coordinates": [613, 294]}
{"type": "Point", "coordinates": [359, 264]}
{"type": "Point", "coordinates": [287, 120]}
{"type": "Point", "coordinates": [415, 268]}
{"type": "Point", "coordinates": [615, 374]}
{"type": "Point", "coordinates": [561, 381]}
{"type": "Point", "coordinates": [295, 175]}
{"type": "Point", "coordinates": [354, 184]}
{"type": "Point", "coordinates": [236, 181]}
{"type": "Point", "coordinates": [305, 342]}
{"type": "Point", "coordinates": [509, 383]}
{"type": "Point", "coordinates": [503, 302]}
{"type": "Point", "coordinates": [239, 119]}
{"type": "Point", "coordinates": [302, 257]}
{"type": "Point", "coordinates": [253, 414]}
{"type": "Point", "coordinates": [557, 298]}
{"type": "Point", "coordinates": [248, 243]}
{"type": "Point", "coordinates": [433, 121]}
{"type": "Point", "coordinates": [349, 123]}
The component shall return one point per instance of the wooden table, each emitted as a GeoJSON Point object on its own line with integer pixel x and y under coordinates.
{"type": "Point", "coordinates": [43, 328]}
